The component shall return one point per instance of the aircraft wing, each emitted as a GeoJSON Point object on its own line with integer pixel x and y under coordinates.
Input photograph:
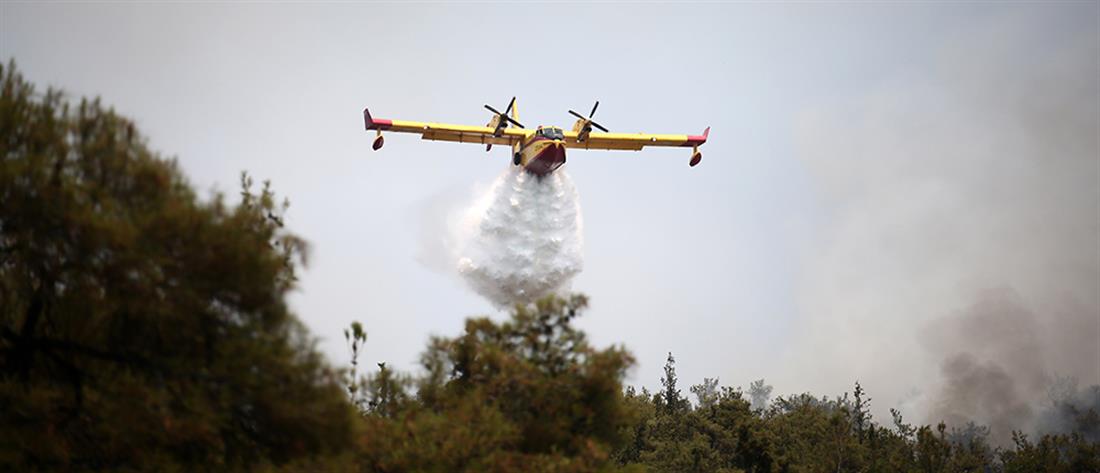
{"type": "Point", "coordinates": [445, 131]}
{"type": "Point", "coordinates": [633, 141]}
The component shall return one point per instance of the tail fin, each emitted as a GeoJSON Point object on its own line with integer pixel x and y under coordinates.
{"type": "Point", "coordinates": [375, 124]}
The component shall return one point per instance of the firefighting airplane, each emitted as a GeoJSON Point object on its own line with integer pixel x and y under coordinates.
{"type": "Point", "coordinates": [540, 151]}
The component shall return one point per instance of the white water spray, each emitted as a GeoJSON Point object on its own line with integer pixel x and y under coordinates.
{"type": "Point", "coordinates": [521, 240]}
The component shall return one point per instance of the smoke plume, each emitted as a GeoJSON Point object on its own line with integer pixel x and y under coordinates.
{"type": "Point", "coordinates": [521, 240]}
{"type": "Point", "coordinates": [995, 372]}
{"type": "Point", "coordinates": [959, 264]}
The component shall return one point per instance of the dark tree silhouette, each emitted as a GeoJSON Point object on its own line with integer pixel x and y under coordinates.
{"type": "Point", "coordinates": [140, 327]}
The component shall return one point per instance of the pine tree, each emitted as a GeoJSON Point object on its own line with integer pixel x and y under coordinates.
{"type": "Point", "coordinates": [861, 416]}
{"type": "Point", "coordinates": [671, 399]}
{"type": "Point", "coordinates": [759, 393]}
{"type": "Point", "coordinates": [706, 393]}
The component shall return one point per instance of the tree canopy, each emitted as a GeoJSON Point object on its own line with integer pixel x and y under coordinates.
{"type": "Point", "coordinates": [528, 394]}
{"type": "Point", "coordinates": [141, 327]}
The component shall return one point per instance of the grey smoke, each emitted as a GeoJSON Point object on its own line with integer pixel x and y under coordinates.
{"type": "Point", "coordinates": [1071, 410]}
{"type": "Point", "coordinates": [978, 170]}
{"type": "Point", "coordinates": [995, 370]}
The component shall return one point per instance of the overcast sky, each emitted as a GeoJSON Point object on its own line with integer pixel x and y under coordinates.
{"type": "Point", "coordinates": [743, 267]}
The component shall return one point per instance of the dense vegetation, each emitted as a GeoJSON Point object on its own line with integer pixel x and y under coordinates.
{"type": "Point", "coordinates": [530, 395]}
{"type": "Point", "coordinates": [139, 327]}
{"type": "Point", "coordinates": [803, 433]}
{"type": "Point", "coordinates": [142, 329]}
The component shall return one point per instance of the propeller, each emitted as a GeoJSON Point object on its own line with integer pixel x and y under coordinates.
{"type": "Point", "coordinates": [589, 119]}
{"type": "Point", "coordinates": [502, 121]}
{"type": "Point", "coordinates": [504, 118]}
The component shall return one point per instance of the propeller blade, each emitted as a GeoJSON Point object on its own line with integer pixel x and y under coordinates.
{"type": "Point", "coordinates": [594, 109]}
{"type": "Point", "coordinates": [491, 109]}
{"type": "Point", "coordinates": [513, 121]}
{"type": "Point", "coordinates": [575, 114]}
{"type": "Point", "coordinates": [510, 104]}
{"type": "Point", "coordinates": [597, 125]}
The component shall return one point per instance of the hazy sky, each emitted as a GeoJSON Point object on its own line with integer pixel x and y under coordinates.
{"type": "Point", "coordinates": [800, 249]}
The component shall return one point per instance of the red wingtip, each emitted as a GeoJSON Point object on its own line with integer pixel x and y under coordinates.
{"type": "Point", "coordinates": [696, 140]}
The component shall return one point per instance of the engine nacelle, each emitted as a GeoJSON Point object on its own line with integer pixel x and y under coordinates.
{"type": "Point", "coordinates": [696, 156]}
{"type": "Point", "coordinates": [378, 142]}
{"type": "Point", "coordinates": [582, 127]}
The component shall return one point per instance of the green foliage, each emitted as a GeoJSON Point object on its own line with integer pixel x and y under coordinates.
{"type": "Point", "coordinates": [526, 394]}
{"type": "Point", "coordinates": [139, 327]}
{"type": "Point", "coordinates": [804, 433]}
{"type": "Point", "coordinates": [706, 394]}
{"type": "Point", "coordinates": [671, 401]}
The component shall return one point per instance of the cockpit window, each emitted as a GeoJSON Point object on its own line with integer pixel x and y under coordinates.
{"type": "Point", "coordinates": [553, 133]}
